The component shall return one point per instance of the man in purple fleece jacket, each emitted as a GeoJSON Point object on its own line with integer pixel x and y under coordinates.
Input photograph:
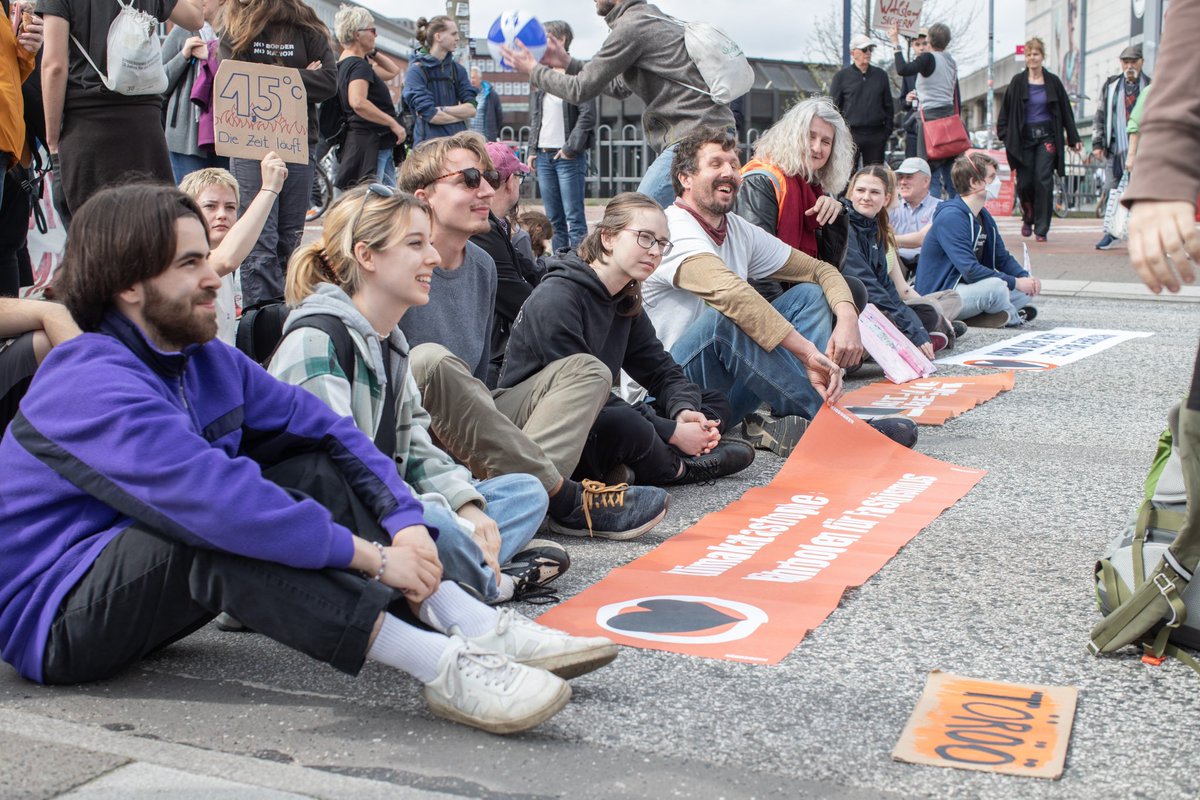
{"type": "Point", "coordinates": [155, 477]}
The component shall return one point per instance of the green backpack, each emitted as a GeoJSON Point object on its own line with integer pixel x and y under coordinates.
{"type": "Point", "coordinates": [1143, 580]}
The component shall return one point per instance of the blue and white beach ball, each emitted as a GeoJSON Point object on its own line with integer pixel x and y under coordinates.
{"type": "Point", "coordinates": [516, 26]}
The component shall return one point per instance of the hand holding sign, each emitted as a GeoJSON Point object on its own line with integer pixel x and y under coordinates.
{"type": "Point", "coordinates": [904, 15]}
{"type": "Point", "coordinates": [260, 108]}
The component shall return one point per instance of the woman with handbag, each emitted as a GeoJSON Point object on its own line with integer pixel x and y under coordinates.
{"type": "Point", "coordinates": [1033, 119]}
{"type": "Point", "coordinates": [372, 130]}
{"type": "Point", "coordinates": [941, 136]}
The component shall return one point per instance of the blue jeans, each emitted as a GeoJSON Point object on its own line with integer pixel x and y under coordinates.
{"type": "Point", "coordinates": [718, 355]}
{"type": "Point", "coordinates": [385, 168]}
{"type": "Point", "coordinates": [263, 270]}
{"type": "Point", "coordinates": [517, 503]}
{"type": "Point", "coordinates": [940, 184]}
{"type": "Point", "coordinates": [562, 182]}
{"type": "Point", "coordinates": [183, 164]}
{"type": "Point", "coordinates": [656, 182]}
{"type": "Point", "coordinates": [989, 296]}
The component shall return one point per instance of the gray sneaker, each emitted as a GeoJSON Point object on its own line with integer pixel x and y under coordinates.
{"type": "Point", "coordinates": [780, 435]}
{"type": "Point", "coordinates": [492, 692]}
{"type": "Point", "coordinates": [613, 512]}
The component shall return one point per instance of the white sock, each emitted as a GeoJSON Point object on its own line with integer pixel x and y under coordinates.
{"type": "Point", "coordinates": [450, 605]}
{"type": "Point", "coordinates": [408, 648]}
{"type": "Point", "coordinates": [506, 590]}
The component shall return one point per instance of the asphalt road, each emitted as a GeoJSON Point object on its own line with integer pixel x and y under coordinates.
{"type": "Point", "coordinates": [999, 587]}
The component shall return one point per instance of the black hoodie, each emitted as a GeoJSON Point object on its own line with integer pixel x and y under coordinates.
{"type": "Point", "coordinates": [570, 312]}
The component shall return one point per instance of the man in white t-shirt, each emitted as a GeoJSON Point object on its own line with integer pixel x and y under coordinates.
{"type": "Point", "coordinates": [789, 354]}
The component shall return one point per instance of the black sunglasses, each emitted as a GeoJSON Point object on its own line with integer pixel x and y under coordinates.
{"type": "Point", "coordinates": [377, 189]}
{"type": "Point", "coordinates": [472, 176]}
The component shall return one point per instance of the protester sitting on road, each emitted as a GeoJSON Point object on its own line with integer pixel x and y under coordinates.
{"type": "Point", "coordinates": [866, 256]}
{"type": "Point", "coordinates": [28, 329]}
{"type": "Point", "coordinates": [538, 427]}
{"type": "Point", "coordinates": [285, 33]}
{"type": "Point", "coordinates": [110, 556]}
{"type": "Point", "coordinates": [184, 54]}
{"type": "Point", "coordinates": [1037, 125]}
{"type": "Point", "coordinates": [372, 130]}
{"type": "Point", "coordinates": [96, 136]}
{"type": "Point", "coordinates": [232, 238]}
{"type": "Point", "coordinates": [371, 265]}
{"type": "Point", "coordinates": [963, 251]}
{"type": "Point", "coordinates": [591, 303]}
{"type": "Point", "coordinates": [436, 87]}
{"type": "Point", "coordinates": [790, 187]}
{"type": "Point", "coordinates": [788, 354]}
{"type": "Point", "coordinates": [911, 218]}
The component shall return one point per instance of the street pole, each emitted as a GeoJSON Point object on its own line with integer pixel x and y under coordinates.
{"type": "Point", "coordinates": [991, 95]}
{"type": "Point", "coordinates": [847, 22]}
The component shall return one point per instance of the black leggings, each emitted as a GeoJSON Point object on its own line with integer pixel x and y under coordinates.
{"type": "Point", "coordinates": [146, 590]}
{"type": "Point", "coordinates": [637, 437]}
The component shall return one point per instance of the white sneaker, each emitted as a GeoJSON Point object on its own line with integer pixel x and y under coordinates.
{"type": "Point", "coordinates": [491, 692]}
{"type": "Point", "coordinates": [534, 645]}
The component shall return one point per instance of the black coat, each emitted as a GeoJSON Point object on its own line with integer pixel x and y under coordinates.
{"type": "Point", "coordinates": [1012, 118]}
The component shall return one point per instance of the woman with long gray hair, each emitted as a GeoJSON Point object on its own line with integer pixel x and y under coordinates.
{"type": "Point", "coordinates": [790, 187]}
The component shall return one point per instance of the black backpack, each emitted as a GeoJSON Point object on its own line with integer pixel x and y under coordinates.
{"type": "Point", "coordinates": [332, 122]}
{"type": "Point", "coordinates": [260, 331]}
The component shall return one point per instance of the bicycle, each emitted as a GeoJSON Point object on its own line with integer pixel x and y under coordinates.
{"type": "Point", "coordinates": [322, 188]}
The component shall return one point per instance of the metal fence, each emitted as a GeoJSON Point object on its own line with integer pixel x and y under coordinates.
{"type": "Point", "coordinates": [620, 156]}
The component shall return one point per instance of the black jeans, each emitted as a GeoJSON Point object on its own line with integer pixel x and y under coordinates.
{"type": "Point", "coordinates": [625, 434]}
{"type": "Point", "coordinates": [1035, 182]}
{"type": "Point", "coordinates": [871, 144]}
{"type": "Point", "coordinates": [147, 590]}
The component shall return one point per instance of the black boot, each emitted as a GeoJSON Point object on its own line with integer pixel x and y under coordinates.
{"type": "Point", "coordinates": [728, 457]}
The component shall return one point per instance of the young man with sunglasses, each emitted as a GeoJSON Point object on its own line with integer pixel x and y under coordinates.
{"type": "Point", "coordinates": [538, 427]}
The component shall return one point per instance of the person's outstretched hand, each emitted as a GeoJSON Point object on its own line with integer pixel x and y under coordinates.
{"type": "Point", "coordinates": [1164, 244]}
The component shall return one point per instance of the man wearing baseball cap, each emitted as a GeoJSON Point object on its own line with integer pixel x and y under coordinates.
{"type": "Point", "coordinates": [911, 218]}
{"type": "Point", "coordinates": [1117, 98]}
{"type": "Point", "coordinates": [516, 275]}
{"type": "Point", "coordinates": [863, 95]}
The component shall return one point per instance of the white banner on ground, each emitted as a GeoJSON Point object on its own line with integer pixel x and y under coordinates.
{"type": "Point", "coordinates": [1041, 350]}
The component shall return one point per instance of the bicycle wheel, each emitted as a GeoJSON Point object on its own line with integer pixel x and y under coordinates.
{"type": "Point", "coordinates": [322, 194]}
{"type": "Point", "coordinates": [1060, 197]}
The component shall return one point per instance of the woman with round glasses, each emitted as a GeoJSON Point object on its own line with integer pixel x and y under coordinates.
{"type": "Point", "coordinates": [372, 130]}
{"type": "Point", "coordinates": [592, 304]}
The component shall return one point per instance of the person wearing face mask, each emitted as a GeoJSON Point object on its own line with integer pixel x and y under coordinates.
{"type": "Point", "coordinates": [963, 251]}
{"type": "Point", "coordinates": [1033, 118]}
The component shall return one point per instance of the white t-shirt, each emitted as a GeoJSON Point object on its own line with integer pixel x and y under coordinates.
{"type": "Point", "coordinates": [748, 251]}
{"type": "Point", "coordinates": [229, 307]}
{"type": "Point", "coordinates": [552, 135]}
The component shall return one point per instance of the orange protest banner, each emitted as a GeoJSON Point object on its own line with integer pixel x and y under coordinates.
{"type": "Point", "coordinates": [748, 582]}
{"type": "Point", "coordinates": [927, 401]}
{"type": "Point", "coordinates": [1014, 728]}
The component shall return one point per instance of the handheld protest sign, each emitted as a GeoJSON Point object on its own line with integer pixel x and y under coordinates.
{"type": "Point", "coordinates": [904, 14]}
{"type": "Point", "coordinates": [258, 108]}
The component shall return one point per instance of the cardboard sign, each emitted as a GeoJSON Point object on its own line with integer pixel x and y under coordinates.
{"type": "Point", "coordinates": [904, 14]}
{"type": "Point", "coordinates": [1017, 729]}
{"type": "Point", "coordinates": [1042, 350]}
{"type": "Point", "coordinates": [930, 401]}
{"type": "Point", "coordinates": [748, 582]}
{"type": "Point", "coordinates": [258, 108]}
{"type": "Point", "coordinates": [900, 359]}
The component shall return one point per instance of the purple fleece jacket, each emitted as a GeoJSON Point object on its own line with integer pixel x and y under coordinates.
{"type": "Point", "coordinates": [114, 431]}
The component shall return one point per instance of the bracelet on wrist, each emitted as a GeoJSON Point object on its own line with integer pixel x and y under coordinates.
{"type": "Point", "coordinates": [272, 191]}
{"type": "Point", "coordinates": [378, 576]}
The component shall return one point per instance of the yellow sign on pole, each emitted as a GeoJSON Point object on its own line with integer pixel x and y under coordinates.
{"type": "Point", "coordinates": [258, 108]}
